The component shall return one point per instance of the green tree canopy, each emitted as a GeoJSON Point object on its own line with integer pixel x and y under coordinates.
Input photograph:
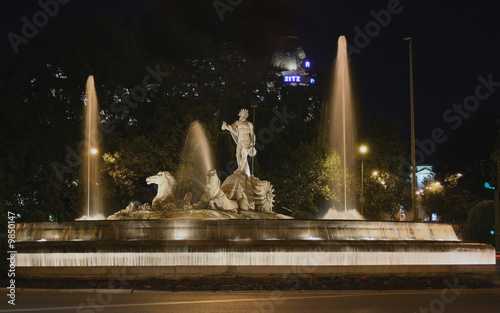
{"type": "Point", "coordinates": [480, 223]}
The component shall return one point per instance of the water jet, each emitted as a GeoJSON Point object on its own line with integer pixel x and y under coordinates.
{"type": "Point", "coordinates": [90, 168]}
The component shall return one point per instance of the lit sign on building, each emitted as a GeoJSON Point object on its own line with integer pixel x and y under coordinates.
{"type": "Point", "coordinates": [307, 64]}
{"type": "Point", "coordinates": [292, 79]}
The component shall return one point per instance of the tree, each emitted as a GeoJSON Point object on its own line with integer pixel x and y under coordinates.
{"type": "Point", "coordinates": [462, 178]}
{"type": "Point", "coordinates": [305, 178]}
{"type": "Point", "coordinates": [208, 89]}
{"type": "Point", "coordinates": [448, 198]}
{"type": "Point", "coordinates": [480, 223]}
{"type": "Point", "coordinates": [43, 87]}
{"type": "Point", "coordinates": [385, 193]}
{"type": "Point", "coordinates": [474, 142]}
{"type": "Point", "coordinates": [385, 177]}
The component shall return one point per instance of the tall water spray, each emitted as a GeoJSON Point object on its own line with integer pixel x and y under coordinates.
{"type": "Point", "coordinates": [342, 127]}
{"type": "Point", "coordinates": [93, 207]}
{"type": "Point", "coordinates": [196, 161]}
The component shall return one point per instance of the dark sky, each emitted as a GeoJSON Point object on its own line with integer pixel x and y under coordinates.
{"type": "Point", "coordinates": [452, 45]}
{"type": "Point", "coordinates": [454, 42]}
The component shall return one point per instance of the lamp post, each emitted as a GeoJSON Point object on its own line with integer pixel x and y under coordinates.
{"type": "Point", "coordinates": [416, 216]}
{"type": "Point", "coordinates": [363, 150]}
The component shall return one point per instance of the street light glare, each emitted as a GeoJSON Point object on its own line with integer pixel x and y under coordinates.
{"type": "Point", "coordinates": [363, 149]}
{"type": "Point", "coordinates": [375, 173]}
{"type": "Point", "coordinates": [93, 151]}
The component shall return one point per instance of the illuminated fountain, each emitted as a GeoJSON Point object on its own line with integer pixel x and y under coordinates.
{"type": "Point", "coordinates": [183, 247]}
{"type": "Point", "coordinates": [90, 168]}
{"type": "Point", "coordinates": [341, 126]}
{"type": "Point", "coordinates": [232, 229]}
{"type": "Point", "coordinates": [196, 161]}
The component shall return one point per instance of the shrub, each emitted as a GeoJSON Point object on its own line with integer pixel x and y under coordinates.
{"type": "Point", "coordinates": [480, 222]}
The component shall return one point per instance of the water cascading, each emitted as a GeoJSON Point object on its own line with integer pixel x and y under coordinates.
{"type": "Point", "coordinates": [342, 127]}
{"type": "Point", "coordinates": [196, 161]}
{"type": "Point", "coordinates": [171, 242]}
{"type": "Point", "coordinates": [90, 168]}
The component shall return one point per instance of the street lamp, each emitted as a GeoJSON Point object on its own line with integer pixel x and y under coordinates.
{"type": "Point", "coordinates": [412, 109]}
{"type": "Point", "coordinates": [363, 149]}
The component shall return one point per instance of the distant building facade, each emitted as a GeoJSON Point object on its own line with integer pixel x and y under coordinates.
{"type": "Point", "coordinates": [290, 64]}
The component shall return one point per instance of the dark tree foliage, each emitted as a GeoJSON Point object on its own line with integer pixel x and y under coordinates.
{"type": "Point", "coordinates": [480, 223]}
{"type": "Point", "coordinates": [385, 175]}
{"type": "Point", "coordinates": [200, 75]}
{"type": "Point", "coordinates": [41, 117]}
{"type": "Point", "coordinates": [465, 160]}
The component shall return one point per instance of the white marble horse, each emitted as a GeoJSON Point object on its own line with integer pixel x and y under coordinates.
{"type": "Point", "coordinates": [166, 187]}
{"type": "Point", "coordinates": [214, 198]}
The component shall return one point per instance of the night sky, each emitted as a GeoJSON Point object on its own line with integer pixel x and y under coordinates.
{"type": "Point", "coordinates": [454, 42]}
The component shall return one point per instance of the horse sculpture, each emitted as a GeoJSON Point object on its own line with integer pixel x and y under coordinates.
{"type": "Point", "coordinates": [166, 187]}
{"type": "Point", "coordinates": [214, 198]}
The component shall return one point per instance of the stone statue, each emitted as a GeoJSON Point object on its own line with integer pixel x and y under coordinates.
{"type": "Point", "coordinates": [214, 198]}
{"type": "Point", "coordinates": [240, 196]}
{"type": "Point", "coordinates": [251, 193]}
{"type": "Point", "coordinates": [243, 135]}
{"type": "Point", "coordinates": [166, 187]}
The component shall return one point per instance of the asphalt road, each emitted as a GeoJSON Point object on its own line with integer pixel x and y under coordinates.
{"type": "Point", "coordinates": [456, 301]}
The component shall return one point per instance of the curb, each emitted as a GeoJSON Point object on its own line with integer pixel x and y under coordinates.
{"type": "Point", "coordinates": [77, 290]}
{"type": "Point", "coordinates": [126, 291]}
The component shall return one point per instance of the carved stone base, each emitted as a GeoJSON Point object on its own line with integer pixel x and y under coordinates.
{"type": "Point", "coordinates": [251, 193]}
{"type": "Point", "coordinates": [196, 215]}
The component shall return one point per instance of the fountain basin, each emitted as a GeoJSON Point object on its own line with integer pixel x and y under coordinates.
{"type": "Point", "coordinates": [205, 246]}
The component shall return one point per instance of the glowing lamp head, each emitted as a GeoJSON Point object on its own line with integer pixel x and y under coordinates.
{"type": "Point", "coordinates": [363, 149]}
{"type": "Point", "coordinates": [375, 173]}
{"type": "Point", "coordinates": [93, 151]}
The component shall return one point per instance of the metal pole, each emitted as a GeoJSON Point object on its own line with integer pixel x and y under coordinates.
{"type": "Point", "coordinates": [416, 216]}
{"type": "Point", "coordinates": [88, 159]}
{"type": "Point", "coordinates": [497, 210]}
{"type": "Point", "coordinates": [362, 186]}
